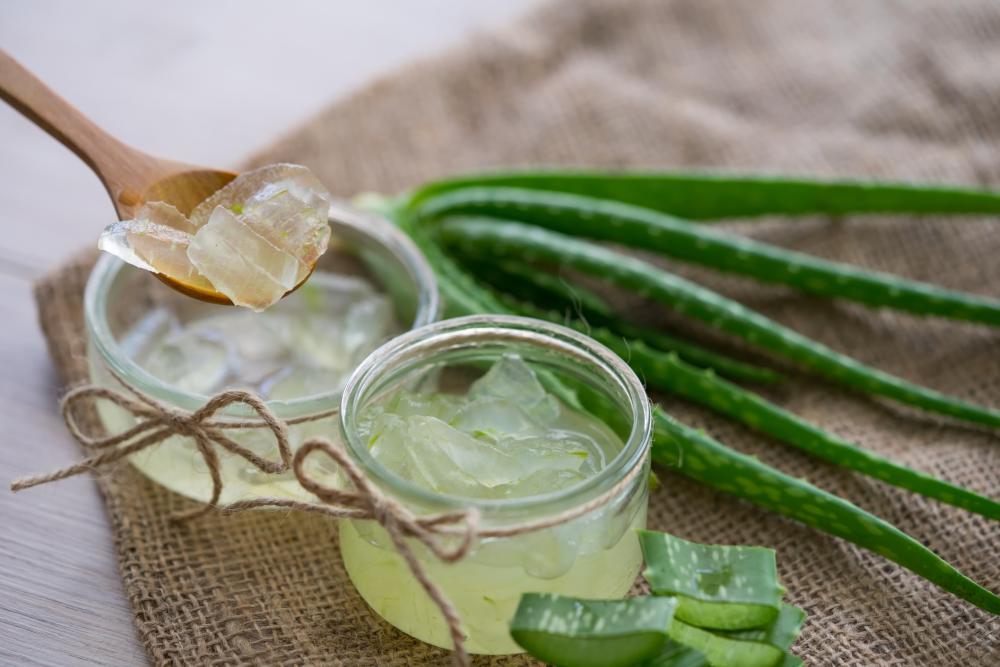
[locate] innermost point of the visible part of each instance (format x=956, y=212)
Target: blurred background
x=200, y=82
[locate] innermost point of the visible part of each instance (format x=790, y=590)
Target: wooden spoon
x=131, y=177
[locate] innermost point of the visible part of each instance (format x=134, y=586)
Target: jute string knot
x=155, y=422
x=449, y=536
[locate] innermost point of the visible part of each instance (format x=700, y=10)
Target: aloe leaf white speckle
x=722, y=587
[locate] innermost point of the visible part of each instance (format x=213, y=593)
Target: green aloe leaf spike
x=681, y=239
x=716, y=196
x=477, y=236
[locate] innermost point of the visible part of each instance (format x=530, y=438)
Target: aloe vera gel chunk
x=253, y=240
x=721, y=587
x=505, y=438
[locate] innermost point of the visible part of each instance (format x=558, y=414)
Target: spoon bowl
x=131, y=177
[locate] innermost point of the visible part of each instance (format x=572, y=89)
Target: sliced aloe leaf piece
x=677, y=655
x=781, y=632
x=722, y=651
x=570, y=632
x=720, y=587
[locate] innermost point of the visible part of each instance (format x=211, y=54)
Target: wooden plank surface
x=199, y=82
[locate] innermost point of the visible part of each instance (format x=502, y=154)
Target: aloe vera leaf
x=701, y=387
x=677, y=655
x=700, y=457
x=715, y=196
x=721, y=651
x=780, y=632
x=719, y=587
x=457, y=301
x=705, y=460
x=669, y=373
x=507, y=239
x=550, y=291
x=570, y=632
x=690, y=242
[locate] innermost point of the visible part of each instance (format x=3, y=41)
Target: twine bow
x=158, y=421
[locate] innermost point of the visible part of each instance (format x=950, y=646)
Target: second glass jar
x=180, y=351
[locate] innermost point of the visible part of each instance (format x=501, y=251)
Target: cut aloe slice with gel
x=741, y=647
x=722, y=651
x=718, y=587
x=781, y=632
x=569, y=632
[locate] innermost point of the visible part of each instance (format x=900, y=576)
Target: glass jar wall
x=596, y=555
x=370, y=285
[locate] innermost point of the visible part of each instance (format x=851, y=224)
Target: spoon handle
x=120, y=167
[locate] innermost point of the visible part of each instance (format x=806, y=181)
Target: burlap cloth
x=891, y=89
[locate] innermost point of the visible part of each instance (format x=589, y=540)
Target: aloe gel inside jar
x=370, y=285
x=506, y=437
x=521, y=420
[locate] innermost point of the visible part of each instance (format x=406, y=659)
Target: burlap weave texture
x=902, y=90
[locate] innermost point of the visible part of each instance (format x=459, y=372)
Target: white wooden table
x=201, y=82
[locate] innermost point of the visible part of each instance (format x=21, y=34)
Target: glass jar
x=124, y=305
x=596, y=555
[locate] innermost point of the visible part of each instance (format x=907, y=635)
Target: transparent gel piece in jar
x=286, y=352
x=506, y=437
x=444, y=459
x=511, y=379
x=190, y=361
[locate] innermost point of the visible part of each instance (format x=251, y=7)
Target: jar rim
x=373, y=228
x=499, y=327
